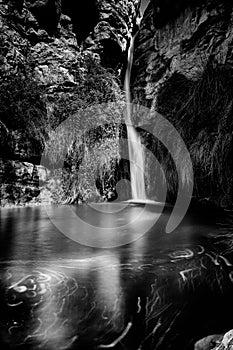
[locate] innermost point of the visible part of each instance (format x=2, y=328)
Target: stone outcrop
x=20, y=182
x=23, y=183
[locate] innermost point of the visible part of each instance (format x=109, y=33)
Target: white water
x=136, y=154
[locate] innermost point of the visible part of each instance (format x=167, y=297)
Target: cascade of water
x=136, y=155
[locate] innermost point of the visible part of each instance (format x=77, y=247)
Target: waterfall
x=136, y=154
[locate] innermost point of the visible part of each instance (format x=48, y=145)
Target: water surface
x=160, y=291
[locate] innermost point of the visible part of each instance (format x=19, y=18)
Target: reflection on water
x=104, y=225
x=158, y=292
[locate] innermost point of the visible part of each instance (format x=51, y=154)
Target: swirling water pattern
x=159, y=292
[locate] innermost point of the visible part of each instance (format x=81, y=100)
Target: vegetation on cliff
x=183, y=70
x=85, y=136
x=55, y=61
x=23, y=108
x=202, y=112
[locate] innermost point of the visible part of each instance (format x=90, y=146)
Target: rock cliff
x=180, y=37
x=104, y=27
x=51, y=50
x=182, y=69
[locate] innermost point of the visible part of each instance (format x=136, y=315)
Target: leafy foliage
x=23, y=107
x=84, y=131
x=86, y=146
x=95, y=85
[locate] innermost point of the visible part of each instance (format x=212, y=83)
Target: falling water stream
x=136, y=154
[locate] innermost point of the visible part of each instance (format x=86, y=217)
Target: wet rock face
x=177, y=38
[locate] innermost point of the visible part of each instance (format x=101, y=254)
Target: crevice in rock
x=84, y=16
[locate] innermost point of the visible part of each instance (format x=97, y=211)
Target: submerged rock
x=208, y=343
x=216, y=342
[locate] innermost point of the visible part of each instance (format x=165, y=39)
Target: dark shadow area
x=84, y=16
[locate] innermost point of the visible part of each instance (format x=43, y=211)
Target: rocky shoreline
x=21, y=182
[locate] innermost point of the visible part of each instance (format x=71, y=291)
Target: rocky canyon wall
x=53, y=60
x=180, y=40
x=182, y=69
